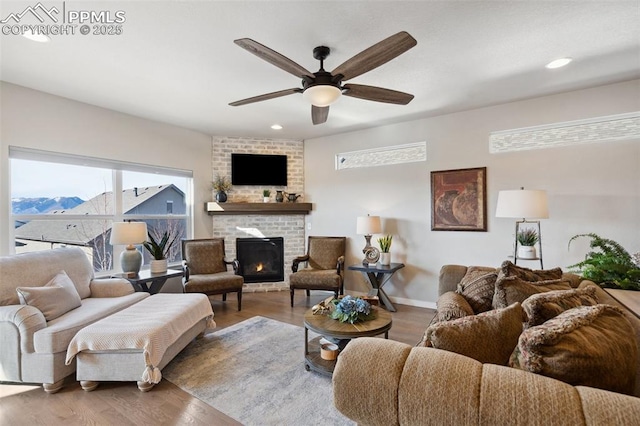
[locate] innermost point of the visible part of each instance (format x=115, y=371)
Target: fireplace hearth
x=261, y=259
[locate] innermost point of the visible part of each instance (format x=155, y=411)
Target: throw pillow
x=478, y=286
x=588, y=346
x=55, y=298
x=513, y=289
x=508, y=269
x=489, y=337
x=574, y=279
x=544, y=306
x=452, y=306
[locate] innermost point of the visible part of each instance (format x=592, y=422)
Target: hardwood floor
x=122, y=403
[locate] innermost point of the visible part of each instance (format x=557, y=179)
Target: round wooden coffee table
x=338, y=331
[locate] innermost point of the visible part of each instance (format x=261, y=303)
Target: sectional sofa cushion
x=508, y=269
x=55, y=337
x=55, y=298
x=34, y=269
x=489, y=337
x=589, y=346
x=514, y=289
x=477, y=286
x=544, y=306
x=452, y=306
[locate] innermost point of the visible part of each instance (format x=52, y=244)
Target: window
x=62, y=200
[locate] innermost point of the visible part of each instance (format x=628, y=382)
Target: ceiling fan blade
x=273, y=57
x=376, y=55
x=377, y=94
x=266, y=96
x=319, y=114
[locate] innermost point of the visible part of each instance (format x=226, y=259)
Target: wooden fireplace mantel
x=214, y=208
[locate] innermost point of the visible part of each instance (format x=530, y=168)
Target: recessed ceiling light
x=558, y=63
x=276, y=127
x=41, y=38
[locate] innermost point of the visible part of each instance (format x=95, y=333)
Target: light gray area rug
x=254, y=372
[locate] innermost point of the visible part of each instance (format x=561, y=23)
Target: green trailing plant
x=528, y=237
x=221, y=184
x=266, y=193
x=385, y=243
x=159, y=249
x=608, y=265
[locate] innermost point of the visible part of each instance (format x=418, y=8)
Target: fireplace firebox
x=261, y=259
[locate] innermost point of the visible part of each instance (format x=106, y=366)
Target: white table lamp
x=129, y=233
x=367, y=226
x=523, y=204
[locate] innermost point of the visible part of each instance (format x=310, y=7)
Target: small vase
x=385, y=259
x=279, y=197
x=527, y=252
x=158, y=266
x=221, y=196
x=265, y=199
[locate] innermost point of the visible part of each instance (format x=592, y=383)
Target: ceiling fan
x=322, y=88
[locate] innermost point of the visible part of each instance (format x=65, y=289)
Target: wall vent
x=397, y=154
x=592, y=130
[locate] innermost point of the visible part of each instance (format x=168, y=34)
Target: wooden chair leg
x=224, y=297
x=308, y=293
x=239, y=300
x=292, y=298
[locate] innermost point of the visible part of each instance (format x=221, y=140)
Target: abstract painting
x=459, y=200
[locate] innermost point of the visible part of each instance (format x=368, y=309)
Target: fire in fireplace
x=261, y=259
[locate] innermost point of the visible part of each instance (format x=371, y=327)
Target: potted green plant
x=385, y=246
x=159, y=249
x=221, y=185
x=266, y=193
x=527, y=240
x=611, y=266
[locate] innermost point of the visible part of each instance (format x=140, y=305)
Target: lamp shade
x=368, y=225
x=322, y=95
x=523, y=203
x=125, y=233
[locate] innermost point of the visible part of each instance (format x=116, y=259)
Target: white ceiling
x=176, y=61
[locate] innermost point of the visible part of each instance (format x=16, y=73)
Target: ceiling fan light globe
x=322, y=95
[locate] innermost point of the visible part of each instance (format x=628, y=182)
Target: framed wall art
x=459, y=200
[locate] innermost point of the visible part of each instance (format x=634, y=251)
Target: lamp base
x=367, y=245
x=131, y=260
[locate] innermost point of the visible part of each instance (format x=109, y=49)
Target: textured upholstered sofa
x=382, y=382
x=60, y=296
x=568, y=344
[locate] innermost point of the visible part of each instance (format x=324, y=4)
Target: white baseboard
x=403, y=301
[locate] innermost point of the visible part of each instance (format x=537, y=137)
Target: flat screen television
x=258, y=169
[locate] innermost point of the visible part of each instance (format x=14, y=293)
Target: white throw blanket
x=151, y=325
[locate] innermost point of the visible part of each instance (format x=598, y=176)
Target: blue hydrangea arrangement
x=352, y=309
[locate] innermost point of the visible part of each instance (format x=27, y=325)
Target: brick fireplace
x=290, y=226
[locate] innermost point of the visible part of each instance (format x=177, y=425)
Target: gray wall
x=38, y=120
x=591, y=188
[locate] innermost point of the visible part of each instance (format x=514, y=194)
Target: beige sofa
x=32, y=349
x=451, y=275
x=382, y=382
